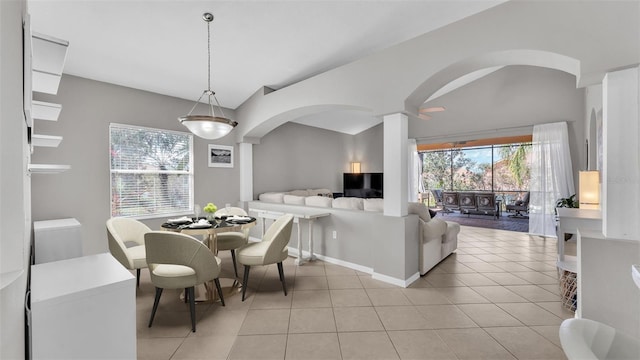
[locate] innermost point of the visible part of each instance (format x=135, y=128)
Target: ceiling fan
x=423, y=113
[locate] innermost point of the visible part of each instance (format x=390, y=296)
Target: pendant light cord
x=208, y=55
x=207, y=17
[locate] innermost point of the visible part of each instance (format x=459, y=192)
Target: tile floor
x=496, y=297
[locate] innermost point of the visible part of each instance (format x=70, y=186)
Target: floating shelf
x=41, y=110
x=49, y=55
x=45, y=140
x=48, y=168
x=570, y=263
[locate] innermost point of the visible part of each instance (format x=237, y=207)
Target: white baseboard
x=380, y=277
x=395, y=281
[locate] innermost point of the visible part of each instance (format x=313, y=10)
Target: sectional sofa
x=358, y=235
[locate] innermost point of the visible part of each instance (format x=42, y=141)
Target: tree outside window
x=151, y=171
x=503, y=169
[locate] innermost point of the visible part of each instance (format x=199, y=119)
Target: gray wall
x=83, y=192
x=295, y=156
x=369, y=149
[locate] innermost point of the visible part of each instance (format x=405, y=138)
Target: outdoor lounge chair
x=521, y=207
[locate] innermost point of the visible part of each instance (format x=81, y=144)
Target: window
x=502, y=169
x=151, y=171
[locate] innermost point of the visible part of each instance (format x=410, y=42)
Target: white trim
x=395, y=281
x=380, y=277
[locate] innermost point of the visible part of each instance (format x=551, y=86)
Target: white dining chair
x=271, y=250
x=232, y=240
x=126, y=243
x=180, y=261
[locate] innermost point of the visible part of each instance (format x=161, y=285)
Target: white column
x=395, y=164
x=245, y=151
x=621, y=160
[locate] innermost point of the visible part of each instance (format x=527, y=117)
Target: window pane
x=151, y=171
x=511, y=169
x=503, y=169
x=436, y=170
x=472, y=169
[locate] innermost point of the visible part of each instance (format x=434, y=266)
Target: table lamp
x=589, y=190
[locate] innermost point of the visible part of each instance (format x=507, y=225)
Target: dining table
x=208, y=230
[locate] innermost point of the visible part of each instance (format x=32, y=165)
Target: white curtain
x=551, y=176
x=414, y=167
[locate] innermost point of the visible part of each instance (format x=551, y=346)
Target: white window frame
x=190, y=172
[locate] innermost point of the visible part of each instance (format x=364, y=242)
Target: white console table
x=569, y=220
x=308, y=215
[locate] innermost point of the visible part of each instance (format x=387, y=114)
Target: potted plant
x=210, y=209
x=569, y=202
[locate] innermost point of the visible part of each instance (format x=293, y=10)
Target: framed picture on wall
x=220, y=156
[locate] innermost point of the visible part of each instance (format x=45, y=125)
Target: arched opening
x=308, y=115
x=525, y=98
x=484, y=61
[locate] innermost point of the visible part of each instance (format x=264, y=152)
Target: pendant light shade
x=208, y=126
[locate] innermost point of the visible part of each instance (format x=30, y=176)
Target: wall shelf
x=48, y=168
x=45, y=111
x=45, y=140
x=49, y=55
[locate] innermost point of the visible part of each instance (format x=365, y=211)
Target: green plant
x=569, y=202
x=210, y=208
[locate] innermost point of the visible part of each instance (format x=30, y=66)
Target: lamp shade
x=355, y=167
x=208, y=127
x=589, y=190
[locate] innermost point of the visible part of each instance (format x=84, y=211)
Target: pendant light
x=208, y=126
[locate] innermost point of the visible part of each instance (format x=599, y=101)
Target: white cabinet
x=83, y=308
x=55, y=240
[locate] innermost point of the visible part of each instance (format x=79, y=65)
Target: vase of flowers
x=210, y=209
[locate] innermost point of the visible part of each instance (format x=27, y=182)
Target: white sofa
x=439, y=237
x=366, y=226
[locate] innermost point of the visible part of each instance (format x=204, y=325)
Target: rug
x=487, y=221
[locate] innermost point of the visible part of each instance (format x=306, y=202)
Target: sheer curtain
x=551, y=176
x=414, y=167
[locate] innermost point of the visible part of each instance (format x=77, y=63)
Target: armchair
x=519, y=207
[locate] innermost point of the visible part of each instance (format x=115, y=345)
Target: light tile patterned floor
x=497, y=297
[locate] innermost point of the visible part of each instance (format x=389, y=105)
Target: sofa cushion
x=271, y=197
x=320, y=192
x=419, y=209
x=351, y=203
x=299, y=193
x=293, y=199
x=320, y=201
x=373, y=205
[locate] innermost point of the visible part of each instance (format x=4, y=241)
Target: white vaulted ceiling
x=160, y=46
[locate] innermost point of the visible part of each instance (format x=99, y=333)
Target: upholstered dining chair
x=180, y=261
x=271, y=250
x=126, y=243
x=232, y=240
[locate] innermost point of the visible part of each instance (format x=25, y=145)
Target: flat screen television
x=363, y=185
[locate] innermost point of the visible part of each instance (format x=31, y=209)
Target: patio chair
x=521, y=207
